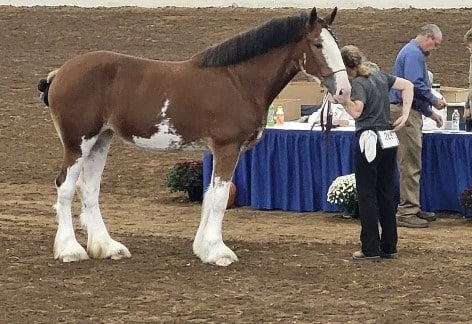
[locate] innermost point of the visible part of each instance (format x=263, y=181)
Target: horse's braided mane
x=257, y=41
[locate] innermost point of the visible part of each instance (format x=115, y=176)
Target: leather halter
x=326, y=105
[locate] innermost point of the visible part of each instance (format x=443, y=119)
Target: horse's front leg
x=208, y=244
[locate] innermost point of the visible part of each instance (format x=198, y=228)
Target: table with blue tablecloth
x=292, y=168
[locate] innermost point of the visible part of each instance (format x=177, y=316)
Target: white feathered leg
x=208, y=244
x=66, y=247
x=99, y=243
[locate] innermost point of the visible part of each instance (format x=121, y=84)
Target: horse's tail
x=44, y=84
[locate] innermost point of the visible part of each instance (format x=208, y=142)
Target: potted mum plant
x=342, y=192
x=466, y=201
x=187, y=176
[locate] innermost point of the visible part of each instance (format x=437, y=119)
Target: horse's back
x=99, y=71
x=140, y=98
x=98, y=88
x=95, y=72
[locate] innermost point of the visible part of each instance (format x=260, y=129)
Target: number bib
x=388, y=139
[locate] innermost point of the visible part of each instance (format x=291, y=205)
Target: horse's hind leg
x=66, y=247
x=99, y=243
x=208, y=244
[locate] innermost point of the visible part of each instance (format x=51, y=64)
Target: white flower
x=343, y=190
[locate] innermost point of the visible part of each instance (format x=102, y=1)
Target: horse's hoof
x=71, y=251
x=122, y=254
x=225, y=261
x=108, y=249
x=216, y=253
x=73, y=258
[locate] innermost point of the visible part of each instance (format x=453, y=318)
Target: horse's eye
x=319, y=45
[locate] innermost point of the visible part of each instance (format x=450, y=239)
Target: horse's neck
x=269, y=73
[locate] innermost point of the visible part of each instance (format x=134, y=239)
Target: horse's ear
x=313, y=16
x=331, y=17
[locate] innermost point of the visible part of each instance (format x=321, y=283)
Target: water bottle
x=280, y=115
x=455, y=120
x=270, y=116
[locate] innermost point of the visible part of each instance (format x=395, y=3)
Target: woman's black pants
x=375, y=191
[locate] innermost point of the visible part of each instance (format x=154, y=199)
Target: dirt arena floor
x=293, y=268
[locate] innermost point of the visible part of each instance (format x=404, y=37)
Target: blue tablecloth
x=292, y=170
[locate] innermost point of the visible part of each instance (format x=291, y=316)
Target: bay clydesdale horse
x=218, y=98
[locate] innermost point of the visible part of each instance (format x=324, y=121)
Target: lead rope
x=325, y=112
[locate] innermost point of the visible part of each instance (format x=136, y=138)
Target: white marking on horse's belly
x=165, y=138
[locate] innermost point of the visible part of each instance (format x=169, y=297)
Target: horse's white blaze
x=331, y=51
x=333, y=57
x=208, y=243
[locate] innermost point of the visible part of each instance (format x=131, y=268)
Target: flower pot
x=351, y=211
x=187, y=177
x=467, y=213
x=195, y=193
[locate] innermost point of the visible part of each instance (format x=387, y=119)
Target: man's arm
x=414, y=72
x=406, y=89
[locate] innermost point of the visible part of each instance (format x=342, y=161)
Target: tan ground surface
x=294, y=268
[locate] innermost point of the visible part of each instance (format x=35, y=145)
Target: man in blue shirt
x=410, y=64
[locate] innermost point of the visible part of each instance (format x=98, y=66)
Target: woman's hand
x=342, y=98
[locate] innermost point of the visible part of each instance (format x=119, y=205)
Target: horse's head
x=321, y=57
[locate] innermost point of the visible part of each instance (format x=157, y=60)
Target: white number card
x=388, y=139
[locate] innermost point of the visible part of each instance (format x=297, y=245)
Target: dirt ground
x=293, y=268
